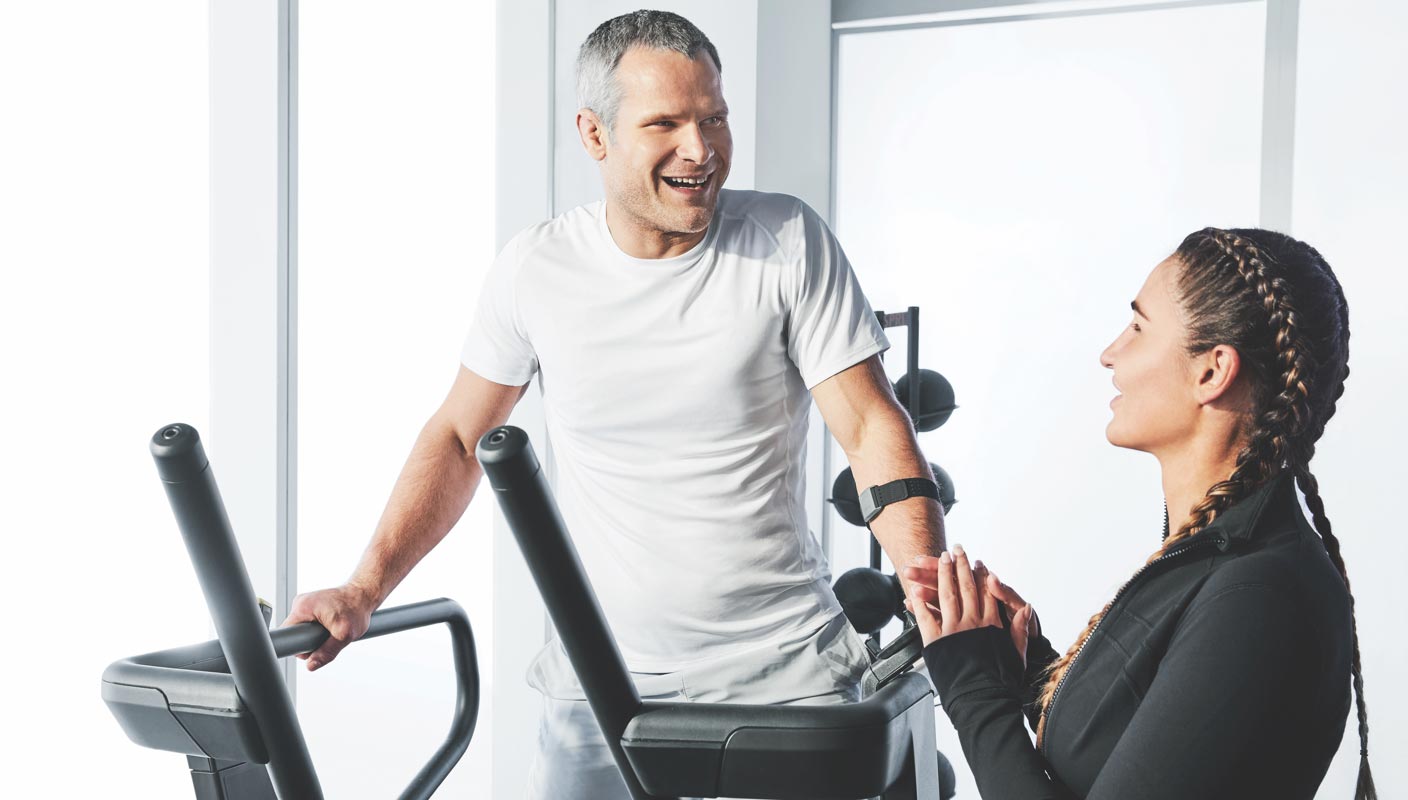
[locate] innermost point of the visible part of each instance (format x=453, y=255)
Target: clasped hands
x=947, y=595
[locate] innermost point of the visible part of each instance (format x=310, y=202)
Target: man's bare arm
x=860, y=408
x=431, y=494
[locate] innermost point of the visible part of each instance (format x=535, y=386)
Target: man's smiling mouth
x=693, y=183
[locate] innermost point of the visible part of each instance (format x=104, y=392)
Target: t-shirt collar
x=658, y=266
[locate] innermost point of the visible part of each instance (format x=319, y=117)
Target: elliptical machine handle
x=249, y=646
x=308, y=636
x=196, y=678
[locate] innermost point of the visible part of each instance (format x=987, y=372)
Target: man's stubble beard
x=639, y=205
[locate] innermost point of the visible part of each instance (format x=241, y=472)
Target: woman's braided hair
x=1276, y=301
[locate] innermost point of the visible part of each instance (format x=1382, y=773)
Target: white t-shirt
x=676, y=398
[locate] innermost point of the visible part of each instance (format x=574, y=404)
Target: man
x=676, y=329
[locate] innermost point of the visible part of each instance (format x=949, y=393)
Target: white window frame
x=253, y=285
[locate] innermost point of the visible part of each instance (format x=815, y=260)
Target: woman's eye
x=1135, y=326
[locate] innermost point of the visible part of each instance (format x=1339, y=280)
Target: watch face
x=870, y=506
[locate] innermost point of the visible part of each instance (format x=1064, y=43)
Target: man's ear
x=593, y=133
x=1216, y=372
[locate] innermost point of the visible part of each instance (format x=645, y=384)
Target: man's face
x=669, y=149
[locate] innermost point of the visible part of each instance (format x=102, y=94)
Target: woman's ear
x=1216, y=373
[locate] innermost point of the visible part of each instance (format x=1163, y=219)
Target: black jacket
x=1220, y=670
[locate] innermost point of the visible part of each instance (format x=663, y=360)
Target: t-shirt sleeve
x=497, y=347
x=830, y=325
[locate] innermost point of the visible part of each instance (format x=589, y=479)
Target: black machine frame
x=224, y=702
x=882, y=746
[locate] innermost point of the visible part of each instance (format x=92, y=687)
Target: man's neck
x=639, y=241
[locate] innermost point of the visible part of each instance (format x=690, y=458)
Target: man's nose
x=692, y=146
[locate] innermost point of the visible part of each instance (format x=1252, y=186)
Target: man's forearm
x=888, y=451
x=432, y=492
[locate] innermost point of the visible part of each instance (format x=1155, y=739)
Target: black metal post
x=205, y=527
x=518, y=483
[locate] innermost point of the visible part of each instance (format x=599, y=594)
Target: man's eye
x=665, y=123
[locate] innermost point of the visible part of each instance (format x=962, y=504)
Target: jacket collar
x=1241, y=521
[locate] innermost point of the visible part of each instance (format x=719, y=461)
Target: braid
x=1310, y=487
x=1282, y=435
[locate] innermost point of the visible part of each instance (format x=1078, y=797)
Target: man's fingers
x=925, y=575
x=926, y=593
x=930, y=628
x=325, y=653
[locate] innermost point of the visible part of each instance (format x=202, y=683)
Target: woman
x=1221, y=669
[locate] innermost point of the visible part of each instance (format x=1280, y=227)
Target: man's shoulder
x=779, y=216
x=574, y=223
x=763, y=207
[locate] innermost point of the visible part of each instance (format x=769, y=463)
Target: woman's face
x=1155, y=408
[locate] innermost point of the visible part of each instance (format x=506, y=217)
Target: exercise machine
x=882, y=746
x=223, y=703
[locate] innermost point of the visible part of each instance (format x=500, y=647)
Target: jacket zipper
x=1191, y=545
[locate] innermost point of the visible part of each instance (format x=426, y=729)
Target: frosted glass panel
x=396, y=175
x=1017, y=181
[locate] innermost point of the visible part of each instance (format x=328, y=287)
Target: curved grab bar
x=154, y=669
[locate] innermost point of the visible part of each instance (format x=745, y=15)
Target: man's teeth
x=687, y=181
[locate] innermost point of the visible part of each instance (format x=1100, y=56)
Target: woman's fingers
x=1021, y=631
x=950, y=605
x=968, y=590
x=990, y=614
x=1013, y=601
x=1005, y=593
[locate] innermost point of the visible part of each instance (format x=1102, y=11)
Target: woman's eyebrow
x=1134, y=304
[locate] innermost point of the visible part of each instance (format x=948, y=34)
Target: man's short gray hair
x=597, y=87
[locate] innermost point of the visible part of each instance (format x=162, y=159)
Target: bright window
x=104, y=320
x=395, y=231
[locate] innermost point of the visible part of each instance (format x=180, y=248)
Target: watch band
x=874, y=499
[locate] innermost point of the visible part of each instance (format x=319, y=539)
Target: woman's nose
x=1107, y=355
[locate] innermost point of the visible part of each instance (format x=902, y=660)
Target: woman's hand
x=947, y=595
